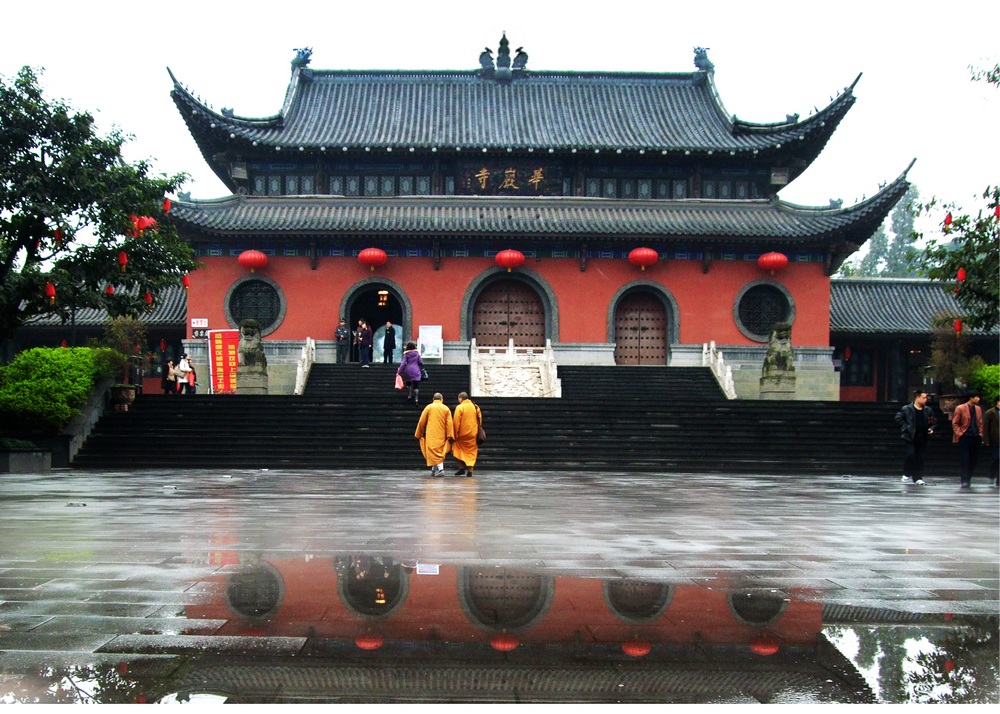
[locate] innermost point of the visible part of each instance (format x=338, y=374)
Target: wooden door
x=508, y=309
x=640, y=330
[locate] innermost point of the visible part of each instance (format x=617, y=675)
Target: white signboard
x=429, y=343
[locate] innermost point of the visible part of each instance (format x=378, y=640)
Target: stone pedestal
x=778, y=386
x=251, y=379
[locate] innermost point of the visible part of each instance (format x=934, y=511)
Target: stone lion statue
x=251, y=351
x=780, y=358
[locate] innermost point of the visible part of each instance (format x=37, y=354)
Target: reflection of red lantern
x=510, y=259
x=504, y=642
x=958, y=326
x=148, y=297
x=763, y=646
x=123, y=260
x=372, y=257
x=186, y=281
x=50, y=293
x=643, y=257
x=636, y=648
x=252, y=259
x=110, y=290
x=772, y=262
x=369, y=641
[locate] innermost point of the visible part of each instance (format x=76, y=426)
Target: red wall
x=705, y=301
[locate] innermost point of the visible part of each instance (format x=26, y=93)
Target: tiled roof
x=554, y=217
x=169, y=310
x=890, y=305
x=542, y=110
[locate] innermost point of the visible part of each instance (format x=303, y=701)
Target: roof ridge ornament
x=701, y=60
x=503, y=68
x=303, y=55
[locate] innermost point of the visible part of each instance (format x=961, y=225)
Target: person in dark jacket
x=365, y=341
x=388, y=343
x=410, y=369
x=916, y=423
x=991, y=437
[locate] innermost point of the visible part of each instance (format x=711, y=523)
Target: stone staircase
x=660, y=419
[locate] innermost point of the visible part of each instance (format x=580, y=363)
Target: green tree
x=890, y=255
x=970, y=243
x=67, y=197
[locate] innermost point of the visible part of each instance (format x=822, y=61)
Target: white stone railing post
x=712, y=357
x=304, y=365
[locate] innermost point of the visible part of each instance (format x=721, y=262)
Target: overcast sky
x=915, y=98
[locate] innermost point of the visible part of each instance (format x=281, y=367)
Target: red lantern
x=372, y=257
x=949, y=665
x=947, y=222
x=123, y=260
x=252, y=259
x=166, y=205
x=958, y=326
x=369, y=641
x=148, y=297
x=961, y=275
x=996, y=212
x=772, y=262
x=110, y=290
x=163, y=345
x=510, y=259
x=643, y=257
x=504, y=642
x=64, y=344
x=636, y=648
x=59, y=237
x=764, y=646
x=186, y=281
x=50, y=293
x=847, y=354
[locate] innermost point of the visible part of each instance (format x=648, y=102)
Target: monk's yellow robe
x=435, y=431
x=466, y=421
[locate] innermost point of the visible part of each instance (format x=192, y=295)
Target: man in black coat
x=389, y=344
x=915, y=424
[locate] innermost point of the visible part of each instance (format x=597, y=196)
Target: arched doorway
x=377, y=303
x=508, y=309
x=640, y=329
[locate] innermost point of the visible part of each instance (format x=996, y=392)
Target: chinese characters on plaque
x=509, y=179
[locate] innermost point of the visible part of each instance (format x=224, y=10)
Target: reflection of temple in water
x=375, y=629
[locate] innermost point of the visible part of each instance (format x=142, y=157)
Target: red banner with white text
x=223, y=359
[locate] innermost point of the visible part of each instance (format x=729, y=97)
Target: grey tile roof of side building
x=169, y=310
x=557, y=218
x=891, y=306
x=670, y=112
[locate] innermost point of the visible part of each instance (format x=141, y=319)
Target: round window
x=759, y=307
x=255, y=299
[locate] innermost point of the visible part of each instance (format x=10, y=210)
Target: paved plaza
x=90, y=558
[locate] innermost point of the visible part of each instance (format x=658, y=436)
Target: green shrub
x=986, y=379
x=43, y=388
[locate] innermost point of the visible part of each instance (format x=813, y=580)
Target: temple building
x=614, y=218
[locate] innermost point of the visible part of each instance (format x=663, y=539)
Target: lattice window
x=760, y=307
x=255, y=300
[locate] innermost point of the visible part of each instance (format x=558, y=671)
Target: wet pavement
x=268, y=586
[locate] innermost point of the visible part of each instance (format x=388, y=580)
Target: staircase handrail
x=304, y=365
x=712, y=357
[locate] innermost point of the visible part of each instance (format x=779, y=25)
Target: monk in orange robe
x=467, y=420
x=436, y=433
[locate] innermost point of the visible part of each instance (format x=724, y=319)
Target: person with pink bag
x=410, y=371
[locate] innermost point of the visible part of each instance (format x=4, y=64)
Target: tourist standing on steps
x=388, y=343
x=168, y=380
x=991, y=437
x=183, y=368
x=967, y=432
x=916, y=424
x=343, y=337
x=366, y=341
x=410, y=369
x=436, y=433
x=467, y=419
